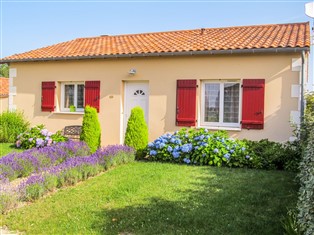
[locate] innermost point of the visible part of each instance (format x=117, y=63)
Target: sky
x=27, y=25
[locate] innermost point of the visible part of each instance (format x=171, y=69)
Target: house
x=246, y=80
x=4, y=94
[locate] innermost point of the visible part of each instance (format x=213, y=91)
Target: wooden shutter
x=92, y=94
x=186, y=103
x=253, y=103
x=48, y=96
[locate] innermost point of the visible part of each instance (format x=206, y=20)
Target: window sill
x=71, y=113
x=225, y=128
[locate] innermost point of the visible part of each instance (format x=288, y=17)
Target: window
x=72, y=94
x=220, y=105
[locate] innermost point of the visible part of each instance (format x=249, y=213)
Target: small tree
x=91, y=131
x=136, y=134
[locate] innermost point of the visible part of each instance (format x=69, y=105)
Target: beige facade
x=161, y=74
x=4, y=104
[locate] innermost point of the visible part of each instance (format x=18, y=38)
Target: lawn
x=157, y=198
x=6, y=148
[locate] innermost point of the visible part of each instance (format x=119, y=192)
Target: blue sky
x=27, y=25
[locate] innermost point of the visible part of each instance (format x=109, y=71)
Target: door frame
x=123, y=106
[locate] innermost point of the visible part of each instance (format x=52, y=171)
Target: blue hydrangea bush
x=38, y=136
x=200, y=147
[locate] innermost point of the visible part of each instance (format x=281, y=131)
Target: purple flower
x=18, y=143
x=30, y=139
x=216, y=150
x=247, y=157
x=44, y=132
x=39, y=142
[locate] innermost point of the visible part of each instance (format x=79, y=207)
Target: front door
x=136, y=94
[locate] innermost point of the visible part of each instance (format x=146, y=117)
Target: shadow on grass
x=248, y=202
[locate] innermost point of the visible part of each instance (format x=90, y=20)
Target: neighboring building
x=4, y=94
x=242, y=79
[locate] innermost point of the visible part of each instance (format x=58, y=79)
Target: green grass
x=6, y=148
x=156, y=198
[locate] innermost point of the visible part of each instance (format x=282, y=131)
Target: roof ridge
x=196, y=29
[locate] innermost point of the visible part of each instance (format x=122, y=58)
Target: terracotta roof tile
x=4, y=87
x=245, y=37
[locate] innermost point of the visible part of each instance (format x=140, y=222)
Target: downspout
x=302, y=88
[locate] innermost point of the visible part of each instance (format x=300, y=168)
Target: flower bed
x=16, y=165
x=65, y=170
x=200, y=147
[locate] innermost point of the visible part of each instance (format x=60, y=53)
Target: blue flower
x=186, y=160
x=169, y=149
x=186, y=148
x=172, y=140
x=206, y=130
x=175, y=154
x=177, y=148
x=227, y=156
x=201, y=137
x=152, y=152
x=216, y=150
x=162, y=145
x=196, y=147
x=204, y=154
x=197, y=138
x=231, y=151
x=186, y=136
x=247, y=157
x=178, y=141
x=150, y=144
x=242, y=148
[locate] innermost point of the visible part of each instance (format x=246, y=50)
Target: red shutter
x=92, y=94
x=48, y=96
x=186, y=103
x=253, y=103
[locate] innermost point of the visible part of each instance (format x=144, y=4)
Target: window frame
x=220, y=123
x=63, y=84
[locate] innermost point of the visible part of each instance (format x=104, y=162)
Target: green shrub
x=290, y=224
x=136, y=135
x=12, y=123
x=38, y=136
x=272, y=155
x=306, y=192
x=200, y=147
x=91, y=132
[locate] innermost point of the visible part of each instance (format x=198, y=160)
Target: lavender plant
x=31, y=161
x=69, y=172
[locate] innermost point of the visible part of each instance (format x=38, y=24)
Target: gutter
x=302, y=88
x=168, y=54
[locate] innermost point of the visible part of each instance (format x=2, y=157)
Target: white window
x=220, y=103
x=72, y=94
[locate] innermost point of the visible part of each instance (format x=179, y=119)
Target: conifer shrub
x=136, y=135
x=91, y=131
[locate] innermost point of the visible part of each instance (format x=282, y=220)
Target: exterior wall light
x=132, y=71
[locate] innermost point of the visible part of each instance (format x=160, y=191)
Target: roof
x=4, y=87
x=280, y=36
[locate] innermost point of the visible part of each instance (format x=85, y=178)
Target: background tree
x=4, y=70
